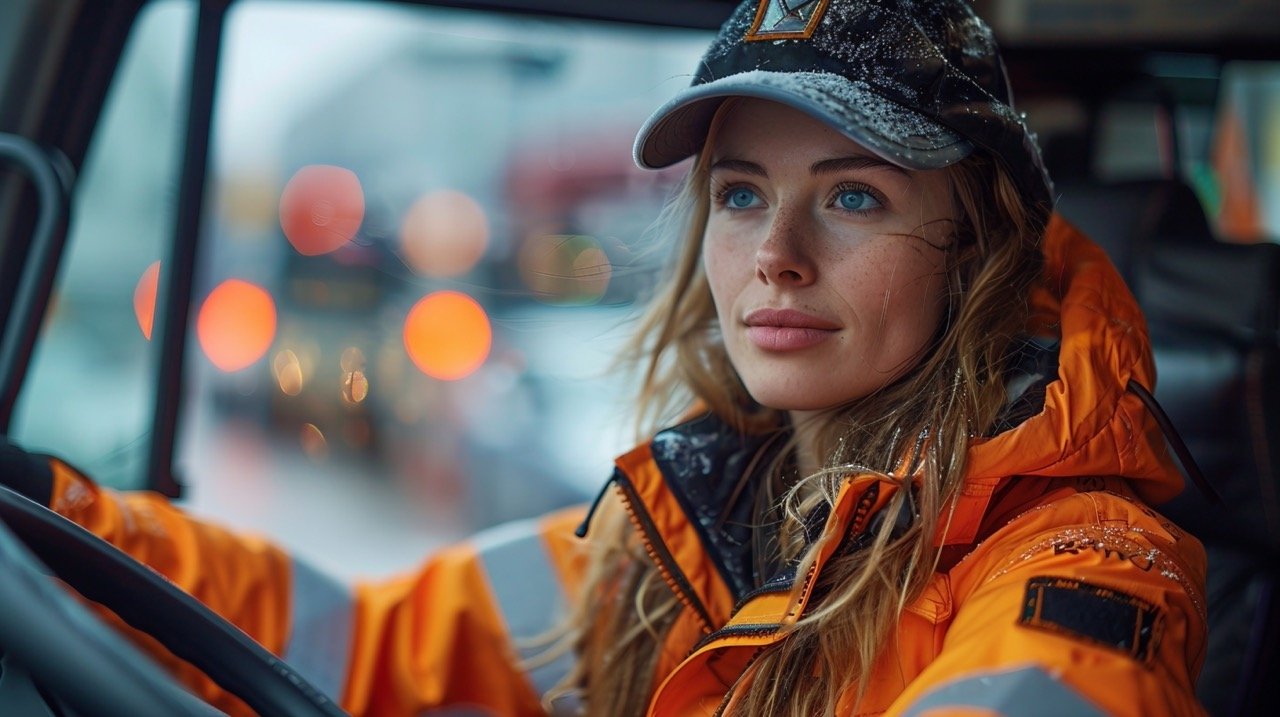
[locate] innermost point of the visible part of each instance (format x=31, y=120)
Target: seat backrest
x=1212, y=311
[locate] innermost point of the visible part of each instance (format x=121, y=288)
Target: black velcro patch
x=1098, y=615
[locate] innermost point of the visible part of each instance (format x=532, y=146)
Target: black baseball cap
x=918, y=82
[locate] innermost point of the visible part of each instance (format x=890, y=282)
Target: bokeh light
x=321, y=208
x=355, y=387
x=444, y=234
x=355, y=384
x=288, y=371
x=313, y=442
x=565, y=269
x=144, y=298
x=236, y=324
x=447, y=335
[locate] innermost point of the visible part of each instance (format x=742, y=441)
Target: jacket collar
x=688, y=486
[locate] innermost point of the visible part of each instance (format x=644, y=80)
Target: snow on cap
x=918, y=82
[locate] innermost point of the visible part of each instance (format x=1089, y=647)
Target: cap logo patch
x=786, y=19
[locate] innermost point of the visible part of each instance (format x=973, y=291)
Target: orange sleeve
x=246, y=580
x=474, y=626
x=1103, y=613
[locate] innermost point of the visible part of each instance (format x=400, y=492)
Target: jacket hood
x=1091, y=423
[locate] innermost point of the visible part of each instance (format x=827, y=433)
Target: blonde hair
x=955, y=392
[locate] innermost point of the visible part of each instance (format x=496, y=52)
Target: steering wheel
x=85, y=663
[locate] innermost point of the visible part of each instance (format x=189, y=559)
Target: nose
x=785, y=256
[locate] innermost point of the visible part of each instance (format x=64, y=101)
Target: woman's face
x=826, y=263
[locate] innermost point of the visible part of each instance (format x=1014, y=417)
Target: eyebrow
x=824, y=166
x=845, y=164
x=740, y=165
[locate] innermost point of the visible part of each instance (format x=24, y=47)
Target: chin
x=817, y=398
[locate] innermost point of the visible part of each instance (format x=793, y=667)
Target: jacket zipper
x=855, y=538
x=727, y=631
x=658, y=552
x=769, y=588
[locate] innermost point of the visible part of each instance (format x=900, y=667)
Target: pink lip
x=787, y=329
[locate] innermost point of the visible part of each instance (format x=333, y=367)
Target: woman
x=912, y=470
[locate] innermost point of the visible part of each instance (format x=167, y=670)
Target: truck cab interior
x=1159, y=120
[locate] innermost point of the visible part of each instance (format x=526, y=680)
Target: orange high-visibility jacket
x=1060, y=591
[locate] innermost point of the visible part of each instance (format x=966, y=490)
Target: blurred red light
x=144, y=298
x=321, y=208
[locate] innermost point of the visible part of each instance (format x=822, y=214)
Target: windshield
x=423, y=238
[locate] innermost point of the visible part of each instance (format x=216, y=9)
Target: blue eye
x=740, y=198
x=857, y=200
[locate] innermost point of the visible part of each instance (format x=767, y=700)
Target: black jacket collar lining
x=703, y=462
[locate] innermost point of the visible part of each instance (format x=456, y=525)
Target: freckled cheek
x=727, y=268
x=897, y=296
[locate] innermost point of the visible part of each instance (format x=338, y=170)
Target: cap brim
x=897, y=134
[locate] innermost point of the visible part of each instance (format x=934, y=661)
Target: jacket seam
x=1007, y=561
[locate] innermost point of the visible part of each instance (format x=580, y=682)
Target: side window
x=1223, y=117
x=88, y=395
x=1243, y=189
x=424, y=238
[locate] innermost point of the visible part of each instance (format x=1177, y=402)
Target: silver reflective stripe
x=320, y=634
x=1029, y=691
x=528, y=593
